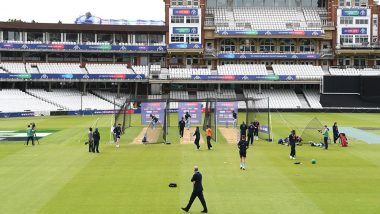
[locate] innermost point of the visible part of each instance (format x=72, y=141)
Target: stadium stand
x=185, y=73
x=242, y=69
x=53, y=68
x=354, y=71
x=18, y=101
x=111, y=97
x=141, y=69
x=302, y=72
x=313, y=97
x=71, y=99
x=285, y=98
x=266, y=18
x=108, y=69
x=224, y=94
x=12, y=67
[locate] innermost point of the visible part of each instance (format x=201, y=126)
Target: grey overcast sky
x=49, y=11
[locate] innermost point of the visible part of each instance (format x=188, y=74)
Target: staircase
x=301, y=19
x=46, y=100
x=303, y=101
x=231, y=18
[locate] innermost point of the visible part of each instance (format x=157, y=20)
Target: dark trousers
x=201, y=198
x=181, y=131
x=326, y=141
x=196, y=142
x=90, y=146
x=96, y=146
x=209, y=142
x=336, y=136
x=293, y=150
x=30, y=138
x=250, y=138
x=256, y=132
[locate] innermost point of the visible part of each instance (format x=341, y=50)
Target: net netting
x=210, y=118
x=312, y=133
x=258, y=110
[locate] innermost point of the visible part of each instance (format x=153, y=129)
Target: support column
x=219, y=88
x=136, y=88
x=118, y=90
x=49, y=89
x=84, y=87
x=260, y=89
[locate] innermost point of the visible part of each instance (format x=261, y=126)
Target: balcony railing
x=375, y=45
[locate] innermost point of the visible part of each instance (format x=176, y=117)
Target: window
x=227, y=45
x=361, y=39
x=307, y=45
x=105, y=38
x=121, y=38
x=191, y=19
x=54, y=37
x=178, y=19
x=12, y=36
x=179, y=2
x=177, y=38
x=287, y=45
x=141, y=38
x=193, y=38
x=155, y=39
x=346, y=20
x=196, y=2
x=88, y=37
x=341, y=3
x=267, y=45
x=35, y=37
x=364, y=3
x=71, y=37
x=346, y=39
x=356, y=3
x=361, y=21
x=247, y=45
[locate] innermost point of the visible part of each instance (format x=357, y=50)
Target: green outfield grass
x=60, y=176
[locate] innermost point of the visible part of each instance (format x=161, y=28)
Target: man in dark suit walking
x=181, y=125
x=197, y=191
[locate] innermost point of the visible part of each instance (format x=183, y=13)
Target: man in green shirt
x=29, y=134
x=326, y=137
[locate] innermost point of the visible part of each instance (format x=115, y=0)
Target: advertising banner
x=269, y=56
x=184, y=46
x=185, y=12
x=354, y=30
x=245, y=77
x=71, y=76
x=185, y=30
x=270, y=32
x=354, y=12
x=161, y=48
x=155, y=108
x=194, y=109
x=224, y=112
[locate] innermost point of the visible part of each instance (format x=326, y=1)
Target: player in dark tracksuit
x=197, y=191
x=117, y=132
x=243, y=130
x=234, y=116
x=335, y=132
x=292, y=143
x=181, y=125
x=96, y=136
x=256, y=124
x=197, y=135
x=243, y=146
x=251, y=130
x=188, y=120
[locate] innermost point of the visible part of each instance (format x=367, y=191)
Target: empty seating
x=54, y=68
x=313, y=97
x=185, y=73
x=224, y=94
x=302, y=72
x=12, y=67
x=108, y=69
x=112, y=97
x=18, y=101
x=284, y=98
x=141, y=69
x=354, y=71
x=243, y=69
x=74, y=100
